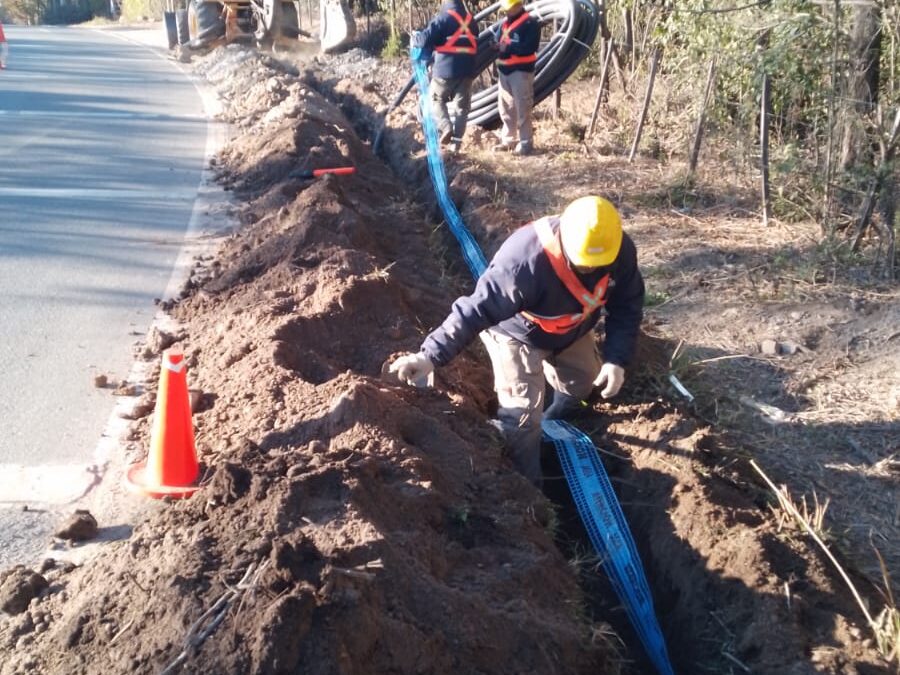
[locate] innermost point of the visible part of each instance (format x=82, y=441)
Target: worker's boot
x=562, y=406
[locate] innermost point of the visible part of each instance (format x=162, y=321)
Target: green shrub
x=394, y=46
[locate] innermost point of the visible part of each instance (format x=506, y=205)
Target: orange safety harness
x=506, y=31
x=590, y=301
x=462, y=33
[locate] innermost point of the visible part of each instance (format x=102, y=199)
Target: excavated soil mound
x=347, y=524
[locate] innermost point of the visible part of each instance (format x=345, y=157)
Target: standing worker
x=534, y=308
x=4, y=48
x=453, y=36
x=517, y=40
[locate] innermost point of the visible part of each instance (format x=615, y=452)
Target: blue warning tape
x=593, y=494
x=470, y=249
x=605, y=523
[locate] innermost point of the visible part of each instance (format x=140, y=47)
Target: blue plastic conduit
x=593, y=494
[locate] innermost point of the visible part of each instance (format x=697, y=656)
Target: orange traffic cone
x=171, y=467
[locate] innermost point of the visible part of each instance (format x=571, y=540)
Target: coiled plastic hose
x=578, y=24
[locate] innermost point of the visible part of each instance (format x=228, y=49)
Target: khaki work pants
x=519, y=373
x=457, y=91
x=515, y=104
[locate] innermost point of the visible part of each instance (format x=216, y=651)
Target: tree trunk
x=628, y=44
x=862, y=84
x=701, y=117
x=764, y=115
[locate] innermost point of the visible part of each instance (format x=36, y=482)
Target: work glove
x=612, y=376
x=413, y=369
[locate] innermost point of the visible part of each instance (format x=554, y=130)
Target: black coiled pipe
x=578, y=24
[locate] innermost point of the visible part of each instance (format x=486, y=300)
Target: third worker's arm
x=625, y=308
x=436, y=32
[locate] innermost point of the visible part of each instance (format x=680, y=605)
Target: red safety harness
x=506, y=31
x=462, y=33
x=590, y=301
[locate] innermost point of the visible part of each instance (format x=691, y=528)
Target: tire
x=171, y=30
x=181, y=26
x=205, y=20
x=267, y=21
x=290, y=20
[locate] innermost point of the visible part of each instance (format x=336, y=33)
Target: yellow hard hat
x=591, y=232
x=507, y=5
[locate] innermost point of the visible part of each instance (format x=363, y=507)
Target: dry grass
x=886, y=625
x=804, y=518
x=611, y=646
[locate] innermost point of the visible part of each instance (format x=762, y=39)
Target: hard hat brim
x=607, y=257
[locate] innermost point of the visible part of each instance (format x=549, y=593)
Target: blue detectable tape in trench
x=590, y=487
x=470, y=249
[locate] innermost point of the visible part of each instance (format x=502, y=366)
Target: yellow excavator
x=208, y=23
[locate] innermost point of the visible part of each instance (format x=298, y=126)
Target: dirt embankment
x=351, y=525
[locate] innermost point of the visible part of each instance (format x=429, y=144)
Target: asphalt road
x=102, y=144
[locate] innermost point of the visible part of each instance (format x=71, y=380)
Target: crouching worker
x=535, y=308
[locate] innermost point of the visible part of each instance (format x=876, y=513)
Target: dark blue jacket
x=520, y=277
x=449, y=66
x=524, y=40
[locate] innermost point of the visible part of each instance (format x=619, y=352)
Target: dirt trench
x=357, y=526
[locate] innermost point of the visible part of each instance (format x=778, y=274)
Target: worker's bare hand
x=413, y=369
x=612, y=376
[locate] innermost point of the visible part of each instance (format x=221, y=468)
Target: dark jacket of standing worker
x=518, y=41
x=453, y=36
x=520, y=277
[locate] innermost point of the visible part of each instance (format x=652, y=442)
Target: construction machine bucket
x=336, y=25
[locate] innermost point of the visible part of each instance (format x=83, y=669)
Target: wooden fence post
x=654, y=63
x=701, y=118
x=764, y=114
x=604, y=75
x=887, y=149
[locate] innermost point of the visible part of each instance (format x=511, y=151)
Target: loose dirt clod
x=18, y=587
x=80, y=526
